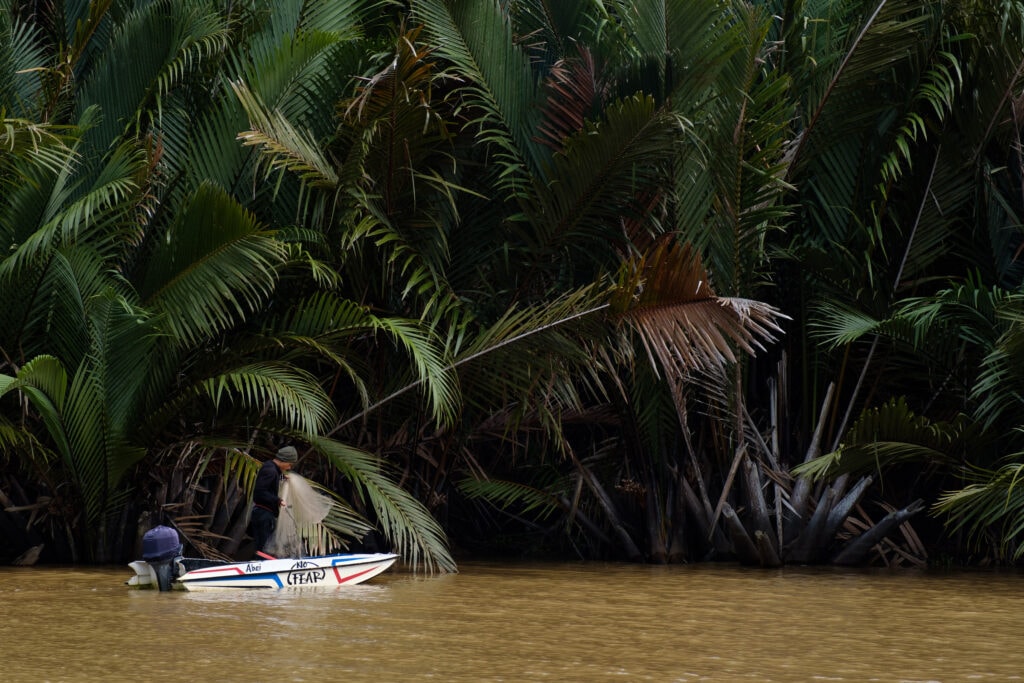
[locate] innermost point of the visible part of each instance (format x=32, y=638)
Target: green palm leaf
x=837, y=325
x=502, y=91
x=869, y=53
x=414, y=533
x=740, y=166
x=504, y=494
x=431, y=366
x=842, y=125
x=554, y=28
x=676, y=48
x=101, y=411
x=215, y=267
x=34, y=145
x=22, y=63
x=891, y=434
x=998, y=67
x=44, y=382
x=556, y=334
x=284, y=148
x=149, y=51
x=995, y=501
x=998, y=385
x=599, y=177
x=204, y=146
x=292, y=395
x=345, y=19
x=57, y=308
x=75, y=205
x=325, y=321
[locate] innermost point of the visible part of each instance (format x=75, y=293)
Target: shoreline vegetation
x=665, y=281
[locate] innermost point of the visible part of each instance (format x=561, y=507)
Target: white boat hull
x=329, y=571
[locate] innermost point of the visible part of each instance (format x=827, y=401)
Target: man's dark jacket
x=267, y=482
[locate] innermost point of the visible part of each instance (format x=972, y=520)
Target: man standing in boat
x=266, y=504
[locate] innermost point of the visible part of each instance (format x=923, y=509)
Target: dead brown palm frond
x=666, y=298
x=572, y=91
x=405, y=81
x=193, y=528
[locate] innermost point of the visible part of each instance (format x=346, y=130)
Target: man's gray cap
x=287, y=454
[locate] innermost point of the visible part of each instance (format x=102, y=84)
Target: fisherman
x=266, y=504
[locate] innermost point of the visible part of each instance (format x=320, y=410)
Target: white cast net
x=299, y=531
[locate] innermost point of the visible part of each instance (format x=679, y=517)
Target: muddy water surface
x=492, y=622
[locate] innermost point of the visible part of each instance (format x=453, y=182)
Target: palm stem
x=467, y=359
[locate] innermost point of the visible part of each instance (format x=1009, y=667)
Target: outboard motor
x=160, y=547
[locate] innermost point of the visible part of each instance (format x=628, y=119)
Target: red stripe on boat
x=217, y=569
x=337, y=574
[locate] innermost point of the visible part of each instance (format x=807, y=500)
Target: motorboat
x=163, y=566
x=328, y=571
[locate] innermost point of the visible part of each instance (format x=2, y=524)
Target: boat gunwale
x=260, y=571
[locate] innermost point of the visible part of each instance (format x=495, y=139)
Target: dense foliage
x=659, y=280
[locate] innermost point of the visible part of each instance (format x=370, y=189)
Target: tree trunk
x=741, y=453
x=755, y=498
x=742, y=545
x=802, y=489
x=657, y=526
x=841, y=510
x=628, y=545
x=856, y=551
x=576, y=516
x=677, y=510
x=766, y=550
x=226, y=507
x=719, y=542
x=237, y=531
x=810, y=546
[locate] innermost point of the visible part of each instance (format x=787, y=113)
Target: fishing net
x=299, y=531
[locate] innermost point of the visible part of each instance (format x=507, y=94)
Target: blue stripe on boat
x=240, y=577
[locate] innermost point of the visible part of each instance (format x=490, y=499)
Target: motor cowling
x=160, y=547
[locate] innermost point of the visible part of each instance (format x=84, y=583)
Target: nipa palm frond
x=293, y=396
x=283, y=146
x=666, y=299
x=996, y=501
x=409, y=526
x=45, y=382
x=502, y=90
x=149, y=52
x=215, y=267
x=503, y=494
x=76, y=204
x=891, y=434
x=22, y=61
x=601, y=178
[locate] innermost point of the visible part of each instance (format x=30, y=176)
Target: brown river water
x=522, y=622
